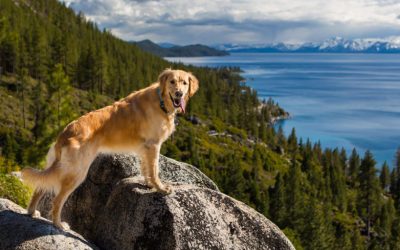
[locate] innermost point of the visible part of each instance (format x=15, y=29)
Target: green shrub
x=12, y=188
x=293, y=237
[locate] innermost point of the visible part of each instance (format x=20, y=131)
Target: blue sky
x=253, y=21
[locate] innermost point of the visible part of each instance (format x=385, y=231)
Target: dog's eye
x=184, y=83
x=172, y=81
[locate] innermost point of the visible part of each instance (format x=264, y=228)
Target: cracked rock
x=114, y=210
x=20, y=231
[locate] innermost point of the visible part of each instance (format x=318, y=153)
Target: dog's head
x=177, y=87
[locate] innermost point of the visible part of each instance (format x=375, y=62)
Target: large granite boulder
x=20, y=231
x=114, y=210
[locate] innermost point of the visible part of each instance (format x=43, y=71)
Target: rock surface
x=20, y=231
x=115, y=211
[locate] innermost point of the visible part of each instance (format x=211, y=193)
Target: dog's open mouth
x=178, y=102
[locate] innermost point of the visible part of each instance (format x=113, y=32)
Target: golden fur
x=134, y=124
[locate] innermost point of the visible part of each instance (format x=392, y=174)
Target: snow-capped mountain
x=333, y=45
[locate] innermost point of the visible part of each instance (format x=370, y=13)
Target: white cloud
x=256, y=21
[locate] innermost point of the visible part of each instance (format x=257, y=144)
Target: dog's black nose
x=178, y=94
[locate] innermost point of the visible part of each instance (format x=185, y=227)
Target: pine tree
x=295, y=197
x=60, y=91
x=395, y=232
x=317, y=151
x=292, y=142
x=39, y=110
x=3, y=25
x=59, y=48
x=384, y=223
x=235, y=183
x=281, y=140
x=357, y=241
x=317, y=232
x=384, y=177
x=10, y=147
x=263, y=131
x=337, y=177
x=343, y=160
x=396, y=184
x=9, y=52
x=101, y=72
x=39, y=55
x=23, y=79
x=327, y=175
x=354, y=167
x=393, y=183
x=278, y=209
x=369, y=192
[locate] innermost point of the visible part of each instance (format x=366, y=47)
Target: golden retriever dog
x=138, y=124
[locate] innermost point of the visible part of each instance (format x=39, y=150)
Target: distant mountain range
x=333, y=45
x=171, y=50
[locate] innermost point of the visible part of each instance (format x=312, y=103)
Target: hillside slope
x=63, y=66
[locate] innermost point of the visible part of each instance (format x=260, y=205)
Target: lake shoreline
x=340, y=100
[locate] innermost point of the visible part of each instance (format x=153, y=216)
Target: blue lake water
x=342, y=100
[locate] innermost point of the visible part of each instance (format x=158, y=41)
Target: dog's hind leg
x=76, y=167
x=67, y=188
x=36, y=197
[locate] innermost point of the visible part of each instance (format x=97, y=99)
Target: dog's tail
x=46, y=179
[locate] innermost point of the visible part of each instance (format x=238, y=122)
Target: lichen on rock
x=115, y=210
x=20, y=231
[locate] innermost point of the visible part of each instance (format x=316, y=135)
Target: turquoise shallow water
x=342, y=100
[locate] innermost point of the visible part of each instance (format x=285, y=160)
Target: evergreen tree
x=337, y=177
x=39, y=54
x=23, y=78
x=317, y=151
x=327, y=175
x=10, y=147
x=294, y=196
x=3, y=24
x=292, y=142
x=369, y=192
x=384, y=177
x=38, y=129
x=235, y=182
x=60, y=92
x=318, y=232
x=384, y=223
x=343, y=160
x=357, y=240
x=8, y=52
x=393, y=181
x=281, y=140
x=278, y=208
x=354, y=167
x=395, y=232
x=396, y=182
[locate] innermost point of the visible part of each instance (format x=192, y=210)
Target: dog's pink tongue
x=183, y=104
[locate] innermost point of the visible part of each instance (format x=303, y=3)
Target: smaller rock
x=194, y=120
x=20, y=231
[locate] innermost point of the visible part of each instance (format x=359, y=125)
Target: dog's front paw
x=165, y=189
x=62, y=225
x=149, y=184
x=34, y=214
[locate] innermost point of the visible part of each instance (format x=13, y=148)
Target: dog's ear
x=193, y=84
x=162, y=78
